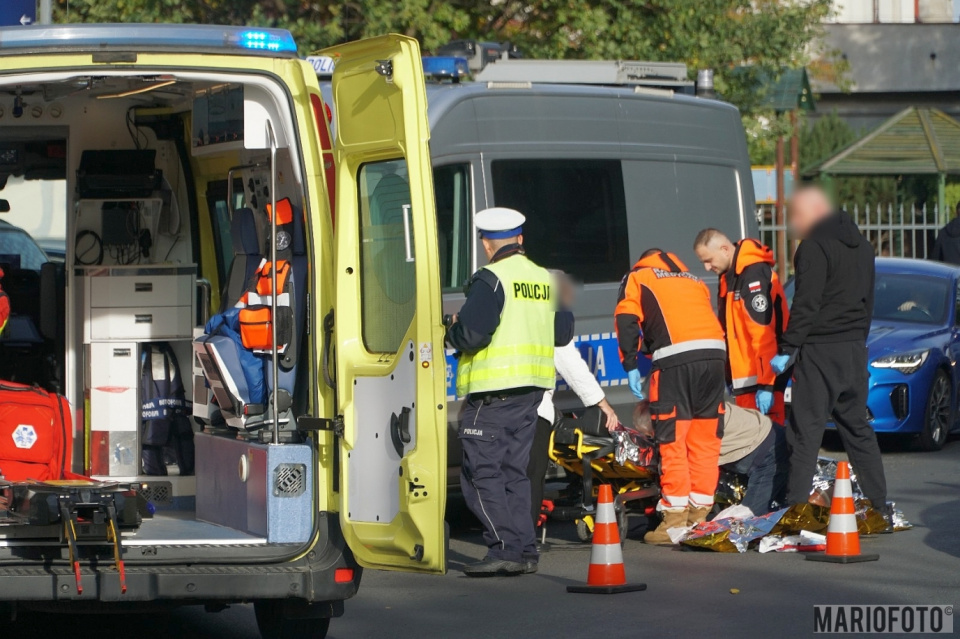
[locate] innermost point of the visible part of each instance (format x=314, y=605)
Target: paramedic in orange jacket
x=664, y=311
x=753, y=311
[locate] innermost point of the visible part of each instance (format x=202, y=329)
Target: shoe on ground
x=887, y=511
x=493, y=567
x=671, y=519
x=530, y=566
x=697, y=514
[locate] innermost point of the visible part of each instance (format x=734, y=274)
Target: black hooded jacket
x=947, y=248
x=834, y=286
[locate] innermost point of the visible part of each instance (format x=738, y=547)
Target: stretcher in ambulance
x=275, y=370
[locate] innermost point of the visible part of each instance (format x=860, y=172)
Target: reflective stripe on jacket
x=753, y=310
x=664, y=311
x=520, y=354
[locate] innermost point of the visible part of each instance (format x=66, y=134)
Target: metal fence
x=894, y=230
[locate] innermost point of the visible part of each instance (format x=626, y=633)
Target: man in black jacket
x=947, y=247
x=826, y=341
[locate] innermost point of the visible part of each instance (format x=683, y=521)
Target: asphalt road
x=689, y=593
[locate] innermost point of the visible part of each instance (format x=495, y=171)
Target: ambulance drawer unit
x=140, y=303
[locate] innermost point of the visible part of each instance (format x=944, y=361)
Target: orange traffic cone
x=843, y=540
x=606, y=575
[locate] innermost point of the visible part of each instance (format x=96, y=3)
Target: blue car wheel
x=939, y=413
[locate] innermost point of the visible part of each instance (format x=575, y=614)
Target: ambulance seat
x=247, y=254
x=297, y=285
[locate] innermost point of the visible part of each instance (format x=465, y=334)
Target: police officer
x=825, y=341
x=665, y=312
x=505, y=334
x=753, y=312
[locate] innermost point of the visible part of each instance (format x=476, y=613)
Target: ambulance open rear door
x=389, y=334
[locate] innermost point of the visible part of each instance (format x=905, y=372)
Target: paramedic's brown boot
x=671, y=519
x=697, y=514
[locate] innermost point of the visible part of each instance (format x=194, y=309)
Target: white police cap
x=499, y=223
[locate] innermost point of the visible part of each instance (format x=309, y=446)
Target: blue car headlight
x=906, y=363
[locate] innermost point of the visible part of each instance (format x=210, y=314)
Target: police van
x=199, y=172
x=605, y=158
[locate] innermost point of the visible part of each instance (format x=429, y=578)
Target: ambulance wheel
x=274, y=624
x=937, y=417
x=584, y=533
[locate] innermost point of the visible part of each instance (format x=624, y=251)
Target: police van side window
x=452, y=187
x=388, y=282
x=576, y=214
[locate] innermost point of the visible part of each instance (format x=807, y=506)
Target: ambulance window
x=220, y=216
x=388, y=282
x=576, y=214
x=452, y=187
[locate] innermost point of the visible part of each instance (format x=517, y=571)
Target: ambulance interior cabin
x=172, y=182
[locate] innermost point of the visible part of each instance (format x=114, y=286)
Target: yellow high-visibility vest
x=521, y=352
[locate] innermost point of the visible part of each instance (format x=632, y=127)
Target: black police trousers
x=830, y=383
x=497, y=433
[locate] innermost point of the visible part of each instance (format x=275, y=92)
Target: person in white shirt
x=576, y=375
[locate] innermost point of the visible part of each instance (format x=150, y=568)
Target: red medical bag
x=36, y=433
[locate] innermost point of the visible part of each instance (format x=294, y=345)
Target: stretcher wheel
x=584, y=531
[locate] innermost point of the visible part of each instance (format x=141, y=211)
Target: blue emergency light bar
x=445, y=68
x=147, y=37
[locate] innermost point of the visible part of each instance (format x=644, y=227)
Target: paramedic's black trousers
x=537, y=467
x=830, y=384
x=497, y=435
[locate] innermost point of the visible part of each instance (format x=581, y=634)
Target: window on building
x=452, y=187
x=576, y=214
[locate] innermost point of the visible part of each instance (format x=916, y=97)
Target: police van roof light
x=147, y=37
x=445, y=68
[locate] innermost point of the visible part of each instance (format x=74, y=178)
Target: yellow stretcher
x=584, y=449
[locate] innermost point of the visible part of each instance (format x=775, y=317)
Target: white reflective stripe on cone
x=606, y=514
x=686, y=347
x=606, y=554
x=842, y=524
x=842, y=488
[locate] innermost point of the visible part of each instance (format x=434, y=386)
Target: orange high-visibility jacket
x=753, y=310
x=668, y=309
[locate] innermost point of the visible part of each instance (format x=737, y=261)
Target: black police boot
x=530, y=565
x=493, y=567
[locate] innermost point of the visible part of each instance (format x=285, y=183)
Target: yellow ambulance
x=302, y=344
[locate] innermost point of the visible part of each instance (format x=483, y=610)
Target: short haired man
x=947, y=247
x=753, y=311
x=826, y=343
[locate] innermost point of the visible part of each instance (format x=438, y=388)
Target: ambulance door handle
x=406, y=232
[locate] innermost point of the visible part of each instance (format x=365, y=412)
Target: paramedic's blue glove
x=764, y=399
x=635, y=380
x=780, y=363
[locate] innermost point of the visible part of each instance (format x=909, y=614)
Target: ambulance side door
x=388, y=315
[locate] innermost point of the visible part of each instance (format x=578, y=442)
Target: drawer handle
x=143, y=287
x=143, y=319
x=122, y=352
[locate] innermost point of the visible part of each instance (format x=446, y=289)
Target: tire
x=273, y=624
x=938, y=415
x=584, y=533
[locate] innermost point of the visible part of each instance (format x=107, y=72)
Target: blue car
x=914, y=344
